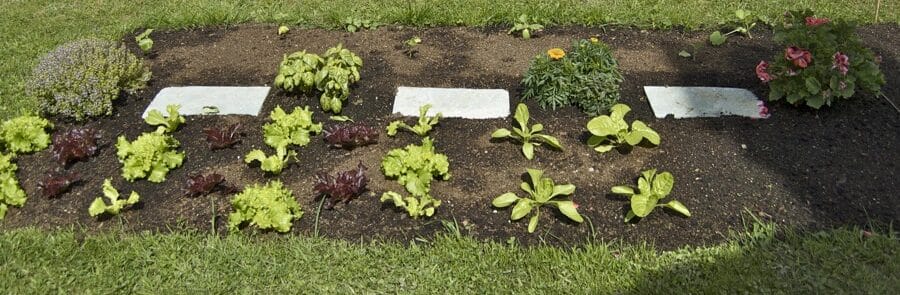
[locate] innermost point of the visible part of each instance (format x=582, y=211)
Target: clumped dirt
x=817, y=169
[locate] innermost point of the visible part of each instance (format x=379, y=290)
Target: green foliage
x=80, y=79
x=144, y=42
x=652, y=187
x=541, y=191
x=607, y=132
x=274, y=163
x=166, y=124
x=268, y=207
x=330, y=74
x=290, y=129
x=116, y=205
x=415, y=206
x=824, y=60
x=151, y=155
x=410, y=46
x=529, y=136
x=354, y=24
x=421, y=128
x=588, y=78
x=282, y=30
x=746, y=22
x=25, y=134
x=11, y=194
x=526, y=25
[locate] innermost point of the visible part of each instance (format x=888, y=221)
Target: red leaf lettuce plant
x=343, y=187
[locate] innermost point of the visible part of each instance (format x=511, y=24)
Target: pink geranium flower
x=841, y=62
x=763, y=110
x=761, y=71
x=814, y=21
x=800, y=57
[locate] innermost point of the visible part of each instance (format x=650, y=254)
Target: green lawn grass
x=833, y=262
x=30, y=28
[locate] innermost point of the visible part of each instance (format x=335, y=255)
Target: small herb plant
x=10, y=192
x=167, y=124
x=415, y=167
x=823, y=61
x=268, y=207
x=608, y=132
x=652, y=187
x=746, y=22
x=349, y=136
x=149, y=156
x=421, y=128
x=144, y=42
x=330, y=74
x=529, y=136
x=74, y=145
x=25, y=134
x=353, y=24
x=542, y=191
x=223, y=137
x=342, y=188
x=116, y=205
x=526, y=25
x=410, y=46
x=202, y=185
x=284, y=130
x=56, y=184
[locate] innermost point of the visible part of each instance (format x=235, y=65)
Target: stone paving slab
x=453, y=102
x=692, y=102
x=199, y=100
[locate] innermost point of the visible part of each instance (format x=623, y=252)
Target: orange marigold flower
x=556, y=53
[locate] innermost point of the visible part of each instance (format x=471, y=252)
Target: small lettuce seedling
x=222, y=137
x=25, y=134
x=56, y=184
x=349, y=136
x=421, y=128
x=416, y=166
x=151, y=155
x=10, y=192
x=116, y=205
x=415, y=207
x=144, y=42
x=542, y=191
x=268, y=207
x=283, y=30
x=611, y=131
x=274, y=163
x=529, y=136
x=524, y=24
x=653, y=187
x=167, y=124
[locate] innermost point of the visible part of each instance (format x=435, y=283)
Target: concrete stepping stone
x=692, y=102
x=453, y=102
x=211, y=100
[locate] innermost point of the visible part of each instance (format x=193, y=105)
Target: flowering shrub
x=587, y=77
x=822, y=60
x=80, y=79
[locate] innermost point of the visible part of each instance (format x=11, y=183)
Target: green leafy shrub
x=607, y=132
x=284, y=130
x=330, y=74
x=823, y=60
x=166, y=124
x=542, y=191
x=421, y=128
x=529, y=137
x=415, y=167
x=268, y=207
x=652, y=187
x=151, y=155
x=588, y=78
x=25, y=134
x=10, y=192
x=80, y=79
x=116, y=205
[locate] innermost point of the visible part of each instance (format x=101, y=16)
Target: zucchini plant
x=529, y=136
x=652, y=187
x=608, y=132
x=423, y=125
x=541, y=191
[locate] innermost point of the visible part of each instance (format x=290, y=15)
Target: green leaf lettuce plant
x=610, y=131
x=423, y=125
x=149, y=156
x=541, y=191
x=144, y=42
x=652, y=187
x=115, y=203
x=167, y=124
x=268, y=207
x=284, y=130
x=11, y=194
x=415, y=167
x=529, y=136
x=25, y=134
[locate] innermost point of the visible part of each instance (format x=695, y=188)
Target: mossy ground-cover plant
x=610, y=131
x=541, y=191
x=652, y=188
x=115, y=203
x=271, y=206
x=80, y=79
x=11, y=194
x=822, y=61
x=284, y=131
x=25, y=134
x=529, y=136
x=423, y=125
x=330, y=74
x=415, y=167
x=587, y=77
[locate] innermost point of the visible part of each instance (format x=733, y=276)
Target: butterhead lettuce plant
x=652, y=188
x=610, y=131
x=529, y=136
x=271, y=206
x=541, y=191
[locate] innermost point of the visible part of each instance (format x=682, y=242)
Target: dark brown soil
x=826, y=168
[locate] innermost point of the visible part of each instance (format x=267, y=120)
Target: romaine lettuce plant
x=268, y=207
x=167, y=124
x=529, y=136
x=341, y=188
x=151, y=155
x=542, y=191
x=274, y=163
x=56, y=184
x=25, y=134
x=415, y=206
x=116, y=205
x=415, y=167
x=652, y=187
x=349, y=136
x=421, y=128
x=611, y=131
x=10, y=192
x=74, y=145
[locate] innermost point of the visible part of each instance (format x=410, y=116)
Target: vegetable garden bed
x=824, y=168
